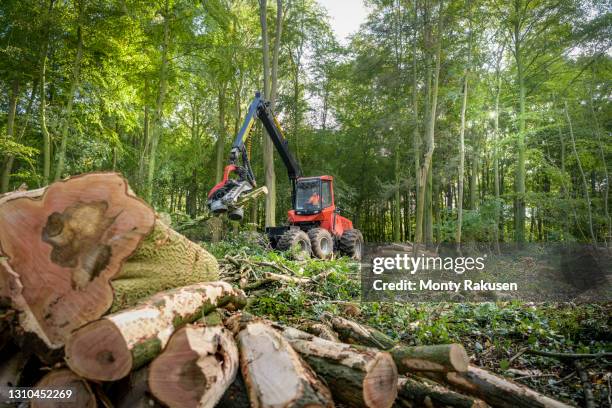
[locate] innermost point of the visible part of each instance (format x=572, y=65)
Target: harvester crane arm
x=230, y=193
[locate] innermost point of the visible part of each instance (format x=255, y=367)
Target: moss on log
x=109, y=348
x=164, y=260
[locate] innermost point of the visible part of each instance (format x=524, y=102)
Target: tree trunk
x=196, y=367
x=461, y=174
x=74, y=236
x=43, y=102
x=280, y=378
x=413, y=393
x=582, y=176
x=74, y=83
x=220, y=145
x=63, y=379
x=109, y=348
x=496, y=139
x=10, y=159
x=10, y=133
x=495, y=390
x=435, y=358
x=159, y=106
x=519, y=188
x=423, y=175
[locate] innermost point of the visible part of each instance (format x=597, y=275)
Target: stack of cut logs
x=83, y=247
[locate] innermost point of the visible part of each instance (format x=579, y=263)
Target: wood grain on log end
x=83, y=396
x=196, y=367
x=63, y=244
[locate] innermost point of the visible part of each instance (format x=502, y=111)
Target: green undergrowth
x=492, y=333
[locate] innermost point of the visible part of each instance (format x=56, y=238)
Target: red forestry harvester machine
x=315, y=225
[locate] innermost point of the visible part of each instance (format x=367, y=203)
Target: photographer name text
x=450, y=286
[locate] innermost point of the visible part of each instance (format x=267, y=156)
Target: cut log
x=10, y=374
x=60, y=246
x=352, y=332
x=495, y=390
x=274, y=373
x=413, y=393
x=63, y=379
x=357, y=376
x=132, y=391
x=163, y=261
x=196, y=367
x=109, y=348
x=436, y=358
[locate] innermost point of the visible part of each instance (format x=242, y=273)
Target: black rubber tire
x=321, y=243
x=292, y=238
x=351, y=244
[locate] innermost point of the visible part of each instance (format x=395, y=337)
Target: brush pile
x=99, y=296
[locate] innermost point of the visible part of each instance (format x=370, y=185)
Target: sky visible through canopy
x=345, y=16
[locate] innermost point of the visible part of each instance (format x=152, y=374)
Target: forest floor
x=495, y=334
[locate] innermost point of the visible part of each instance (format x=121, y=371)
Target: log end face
x=99, y=352
x=63, y=379
x=458, y=358
x=380, y=382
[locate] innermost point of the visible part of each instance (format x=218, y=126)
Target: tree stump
x=196, y=367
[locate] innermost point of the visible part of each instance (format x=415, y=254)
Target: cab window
x=326, y=195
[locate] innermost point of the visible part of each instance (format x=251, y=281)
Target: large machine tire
x=297, y=242
x=351, y=244
x=321, y=242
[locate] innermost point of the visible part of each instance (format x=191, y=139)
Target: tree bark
x=275, y=375
x=10, y=133
x=495, y=390
x=164, y=260
x=159, y=105
x=461, y=161
x=423, y=175
x=74, y=84
x=582, y=176
x=43, y=102
x=83, y=396
x=196, y=367
x=74, y=236
x=413, y=393
x=354, y=333
x=357, y=376
x=519, y=188
x=109, y=348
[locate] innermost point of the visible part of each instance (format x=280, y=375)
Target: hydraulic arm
x=230, y=194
